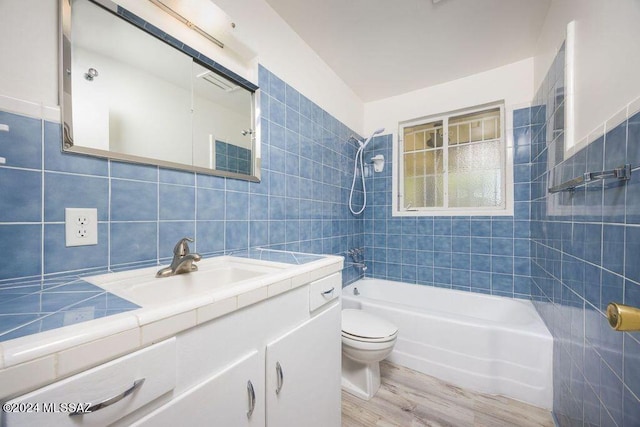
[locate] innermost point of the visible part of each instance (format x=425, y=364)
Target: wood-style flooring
x=408, y=398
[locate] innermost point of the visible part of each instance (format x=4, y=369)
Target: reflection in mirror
x=140, y=101
x=131, y=96
x=222, y=131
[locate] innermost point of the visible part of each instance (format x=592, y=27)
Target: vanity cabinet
x=276, y=363
x=228, y=398
x=273, y=362
x=303, y=374
x=114, y=390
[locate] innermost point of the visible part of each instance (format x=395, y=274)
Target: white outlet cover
x=81, y=232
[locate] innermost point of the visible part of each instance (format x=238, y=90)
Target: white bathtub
x=491, y=344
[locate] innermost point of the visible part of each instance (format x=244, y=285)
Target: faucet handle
x=182, y=247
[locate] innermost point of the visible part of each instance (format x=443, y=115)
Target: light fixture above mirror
x=208, y=20
x=171, y=10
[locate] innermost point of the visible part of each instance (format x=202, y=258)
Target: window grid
x=426, y=148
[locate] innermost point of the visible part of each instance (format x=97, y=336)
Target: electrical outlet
x=81, y=226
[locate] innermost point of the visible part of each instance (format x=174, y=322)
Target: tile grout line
x=109, y=207
x=195, y=209
x=42, y=199
x=157, y=221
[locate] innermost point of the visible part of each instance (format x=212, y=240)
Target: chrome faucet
x=183, y=260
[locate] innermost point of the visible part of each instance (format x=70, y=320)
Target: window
x=452, y=164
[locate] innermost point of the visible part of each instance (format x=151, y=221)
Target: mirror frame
x=66, y=99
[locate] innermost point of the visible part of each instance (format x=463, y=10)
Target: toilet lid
x=361, y=324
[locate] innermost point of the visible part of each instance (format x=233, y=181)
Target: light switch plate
x=81, y=226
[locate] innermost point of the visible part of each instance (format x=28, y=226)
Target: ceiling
x=382, y=48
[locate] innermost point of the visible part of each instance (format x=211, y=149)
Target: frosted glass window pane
x=491, y=129
x=463, y=133
x=483, y=156
x=410, y=191
x=459, y=189
x=421, y=163
x=420, y=192
x=409, y=165
x=438, y=137
x=479, y=126
x=488, y=155
x=419, y=138
x=409, y=142
x=433, y=196
x=475, y=173
x=439, y=161
x=439, y=191
x=423, y=136
x=430, y=139
x=477, y=189
x=476, y=130
x=453, y=135
x=432, y=161
x=457, y=158
x=415, y=192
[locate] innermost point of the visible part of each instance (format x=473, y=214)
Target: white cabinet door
x=303, y=374
x=225, y=399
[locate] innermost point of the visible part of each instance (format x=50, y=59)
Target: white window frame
x=398, y=206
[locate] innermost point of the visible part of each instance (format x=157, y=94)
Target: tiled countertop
x=32, y=307
x=52, y=329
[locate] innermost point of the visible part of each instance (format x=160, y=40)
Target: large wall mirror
x=129, y=95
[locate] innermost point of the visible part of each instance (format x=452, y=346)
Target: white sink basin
x=214, y=275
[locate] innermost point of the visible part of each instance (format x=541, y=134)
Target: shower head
x=362, y=144
x=375, y=132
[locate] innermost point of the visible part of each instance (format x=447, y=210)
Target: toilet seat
x=349, y=345
x=358, y=325
x=367, y=339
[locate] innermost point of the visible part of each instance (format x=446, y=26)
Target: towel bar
x=622, y=173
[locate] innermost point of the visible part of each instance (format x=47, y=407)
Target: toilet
x=366, y=340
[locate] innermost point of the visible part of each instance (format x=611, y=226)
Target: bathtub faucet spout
x=360, y=265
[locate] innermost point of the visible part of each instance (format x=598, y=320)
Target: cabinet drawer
x=112, y=383
x=324, y=290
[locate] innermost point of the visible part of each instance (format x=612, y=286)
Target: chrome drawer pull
x=329, y=292
x=280, y=377
x=252, y=399
x=110, y=401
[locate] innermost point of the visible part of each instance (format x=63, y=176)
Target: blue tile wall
x=300, y=204
x=585, y=251
x=474, y=253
